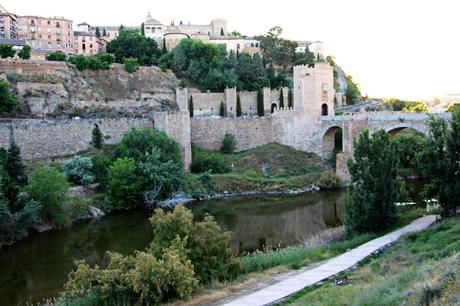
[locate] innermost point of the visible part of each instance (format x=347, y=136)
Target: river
x=37, y=267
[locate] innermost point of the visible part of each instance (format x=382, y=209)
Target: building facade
x=317, y=47
x=8, y=25
x=87, y=42
x=47, y=33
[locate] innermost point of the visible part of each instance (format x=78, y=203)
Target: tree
x=131, y=44
x=228, y=144
x=131, y=64
x=104, y=33
x=374, y=189
x=100, y=169
x=260, y=103
x=353, y=94
x=49, y=188
x=290, y=99
x=277, y=50
x=57, y=56
x=8, y=100
x=97, y=137
x=238, y=105
x=190, y=106
x=124, y=187
x=25, y=52
x=222, y=32
x=142, y=29
x=441, y=162
x=6, y=51
x=281, y=98
x=98, y=32
x=14, y=166
x=137, y=142
x=222, y=109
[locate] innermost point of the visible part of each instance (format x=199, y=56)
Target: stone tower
x=314, y=89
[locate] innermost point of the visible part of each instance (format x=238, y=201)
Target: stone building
x=87, y=42
x=317, y=47
x=8, y=25
x=47, y=33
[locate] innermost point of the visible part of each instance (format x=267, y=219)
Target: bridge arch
x=331, y=141
x=394, y=128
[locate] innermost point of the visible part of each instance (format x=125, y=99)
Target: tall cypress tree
x=14, y=166
x=374, y=187
x=104, y=33
x=290, y=99
x=142, y=29
x=98, y=32
x=190, y=106
x=238, y=105
x=281, y=98
x=96, y=137
x=222, y=109
x=260, y=103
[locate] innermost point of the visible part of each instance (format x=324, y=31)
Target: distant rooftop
x=14, y=42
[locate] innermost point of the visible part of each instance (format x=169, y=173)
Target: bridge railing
x=387, y=116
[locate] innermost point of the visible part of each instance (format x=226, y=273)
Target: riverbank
x=424, y=267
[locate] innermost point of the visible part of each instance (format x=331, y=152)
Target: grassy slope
x=270, y=167
x=421, y=269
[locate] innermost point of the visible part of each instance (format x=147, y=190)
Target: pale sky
x=399, y=48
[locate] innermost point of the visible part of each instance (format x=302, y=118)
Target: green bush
x=228, y=144
x=329, y=180
x=57, y=56
x=131, y=64
x=25, y=52
x=8, y=100
x=100, y=169
x=6, y=51
x=124, y=184
x=97, y=137
x=78, y=170
x=203, y=162
x=80, y=62
x=49, y=188
x=209, y=246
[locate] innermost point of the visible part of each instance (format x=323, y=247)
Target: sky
x=393, y=48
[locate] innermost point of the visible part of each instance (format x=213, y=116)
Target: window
x=49, y=30
x=48, y=22
x=324, y=109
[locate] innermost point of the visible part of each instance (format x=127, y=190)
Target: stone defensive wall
x=208, y=133
x=41, y=139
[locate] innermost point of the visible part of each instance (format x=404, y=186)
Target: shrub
x=203, y=162
x=131, y=64
x=49, y=188
x=228, y=144
x=101, y=169
x=8, y=100
x=80, y=62
x=6, y=51
x=25, y=52
x=329, y=180
x=209, y=247
x=124, y=184
x=222, y=109
x=57, y=56
x=78, y=170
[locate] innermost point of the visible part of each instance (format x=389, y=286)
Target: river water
x=36, y=268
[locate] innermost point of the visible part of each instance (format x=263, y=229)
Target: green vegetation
x=421, y=269
x=131, y=44
x=57, y=56
x=6, y=51
x=222, y=109
x=394, y=104
x=277, y=50
x=190, y=106
x=124, y=186
x=24, y=53
x=228, y=144
x=96, y=137
x=440, y=161
x=260, y=103
x=329, y=180
x=374, y=187
x=100, y=61
x=281, y=104
x=204, y=161
x=8, y=101
x=417, y=108
x=238, y=105
x=407, y=143
x=131, y=64
x=353, y=93
x=182, y=256
x=78, y=170
x=209, y=67
x=290, y=99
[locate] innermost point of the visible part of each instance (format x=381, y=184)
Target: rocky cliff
x=59, y=90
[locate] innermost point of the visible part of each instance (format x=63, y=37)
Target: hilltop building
x=87, y=42
x=317, y=47
x=8, y=25
x=215, y=32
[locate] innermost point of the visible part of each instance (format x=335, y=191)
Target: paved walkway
x=291, y=285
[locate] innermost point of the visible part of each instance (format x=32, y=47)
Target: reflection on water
x=274, y=221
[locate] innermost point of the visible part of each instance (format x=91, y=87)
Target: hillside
x=58, y=89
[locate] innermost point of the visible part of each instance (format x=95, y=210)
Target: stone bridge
x=352, y=125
